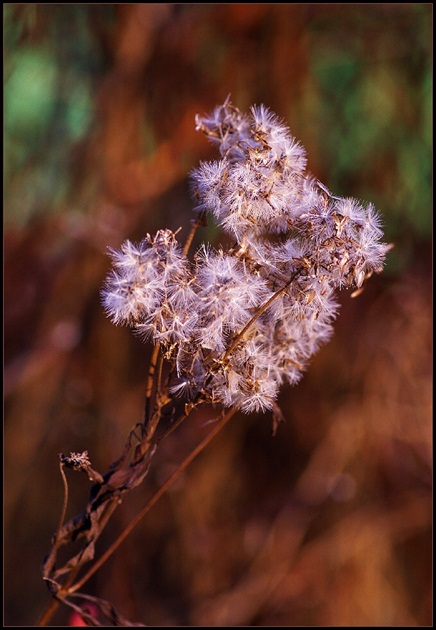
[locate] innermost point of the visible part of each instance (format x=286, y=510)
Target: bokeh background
x=329, y=522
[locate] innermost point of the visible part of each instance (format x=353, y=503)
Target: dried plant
x=229, y=326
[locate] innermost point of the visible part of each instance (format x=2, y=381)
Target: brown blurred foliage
x=329, y=522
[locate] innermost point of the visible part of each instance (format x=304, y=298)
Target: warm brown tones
x=328, y=522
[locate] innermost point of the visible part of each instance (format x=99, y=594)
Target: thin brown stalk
x=159, y=401
x=54, y=603
x=195, y=225
x=65, y=502
x=150, y=503
x=48, y=612
x=257, y=314
x=178, y=422
x=150, y=381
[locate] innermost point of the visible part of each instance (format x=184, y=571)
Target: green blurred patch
x=51, y=61
x=30, y=94
x=374, y=106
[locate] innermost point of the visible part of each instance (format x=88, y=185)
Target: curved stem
x=65, y=503
x=54, y=603
x=257, y=314
x=200, y=447
x=150, y=381
x=195, y=225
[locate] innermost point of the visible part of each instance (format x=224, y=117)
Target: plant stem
x=200, y=221
x=150, y=382
x=198, y=449
x=257, y=314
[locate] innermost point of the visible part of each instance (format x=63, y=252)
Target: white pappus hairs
x=236, y=324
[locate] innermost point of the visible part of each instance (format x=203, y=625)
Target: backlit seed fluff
x=236, y=323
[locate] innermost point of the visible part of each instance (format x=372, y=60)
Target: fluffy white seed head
x=237, y=323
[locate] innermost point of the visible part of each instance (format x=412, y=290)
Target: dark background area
x=329, y=523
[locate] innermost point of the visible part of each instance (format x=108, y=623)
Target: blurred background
x=329, y=522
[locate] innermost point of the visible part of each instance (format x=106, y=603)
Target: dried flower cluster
x=237, y=323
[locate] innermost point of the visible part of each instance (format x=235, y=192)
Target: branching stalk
x=198, y=449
